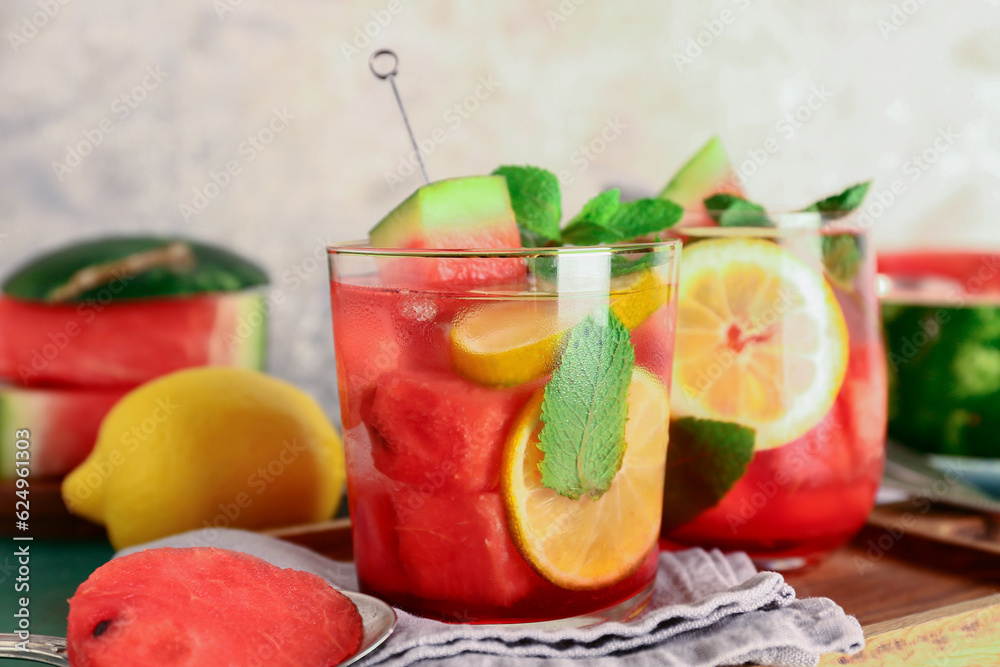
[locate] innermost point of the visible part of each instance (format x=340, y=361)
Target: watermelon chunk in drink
x=436, y=428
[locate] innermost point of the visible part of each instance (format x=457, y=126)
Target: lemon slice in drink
x=507, y=344
x=761, y=339
x=510, y=343
x=586, y=544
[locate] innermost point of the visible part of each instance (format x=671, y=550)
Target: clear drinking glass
x=449, y=366
x=778, y=333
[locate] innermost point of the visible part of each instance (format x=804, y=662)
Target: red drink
x=815, y=358
x=441, y=392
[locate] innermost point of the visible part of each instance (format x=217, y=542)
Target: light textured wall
x=885, y=81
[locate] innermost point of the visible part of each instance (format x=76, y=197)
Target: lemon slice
x=586, y=544
x=636, y=296
x=510, y=343
x=761, y=339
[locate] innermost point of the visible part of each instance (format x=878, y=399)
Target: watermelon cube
x=437, y=430
x=457, y=549
x=373, y=532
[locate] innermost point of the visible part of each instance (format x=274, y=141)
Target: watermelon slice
x=431, y=427
x=457, y=549
x=62, y=423
x=207, y=606
x=118, y=312
x=459, y=213
x=709, y=172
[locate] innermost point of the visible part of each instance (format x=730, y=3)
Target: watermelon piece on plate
x=120, y=311
x=709, y=172
x=431, y=427
x=457, y=549
x=62, y=423
x=208, y=606
x=455, y=214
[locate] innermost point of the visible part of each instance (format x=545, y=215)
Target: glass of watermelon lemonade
x=779, y=404
x=505, y=417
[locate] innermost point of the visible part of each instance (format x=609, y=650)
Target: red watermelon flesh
x=457, y=549
x=63, y=424
x=432, y=427
x=126, y=343
x=203, y=607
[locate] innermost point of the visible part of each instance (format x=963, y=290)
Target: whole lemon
x=209, y=447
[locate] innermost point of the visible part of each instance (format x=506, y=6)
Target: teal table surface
x=55, y=569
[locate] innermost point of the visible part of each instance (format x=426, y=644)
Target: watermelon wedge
x=708, y=172
x=458, y=213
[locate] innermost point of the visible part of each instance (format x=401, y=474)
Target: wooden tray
x=920, y=601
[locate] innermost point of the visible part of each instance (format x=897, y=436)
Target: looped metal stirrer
x=390, y=74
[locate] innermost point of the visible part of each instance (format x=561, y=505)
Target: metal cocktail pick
x=391, y=76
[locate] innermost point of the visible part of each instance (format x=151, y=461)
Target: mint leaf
x=842, y=257
x=841, y=204
x=621, y=265
x=645, y=216
x=705, y=458
x=591, y=225
x=585, y=408
x=605, y=219
x=734, y=211
x=537, y=204
x=842, y=253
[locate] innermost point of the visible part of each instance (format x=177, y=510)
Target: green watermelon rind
x=8, y=431
x=215, y=270
x=249, y=350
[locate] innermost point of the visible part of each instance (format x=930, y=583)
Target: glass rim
x=362, y=247
x=788, y=224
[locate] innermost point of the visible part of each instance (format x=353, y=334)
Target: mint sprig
x=591, y=226
x=585, y=408
x=537, y=204
x=606, y=219
x=705, y=459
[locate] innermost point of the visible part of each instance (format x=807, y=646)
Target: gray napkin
x=707, y=609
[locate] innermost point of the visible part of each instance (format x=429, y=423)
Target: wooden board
x=920, y=601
